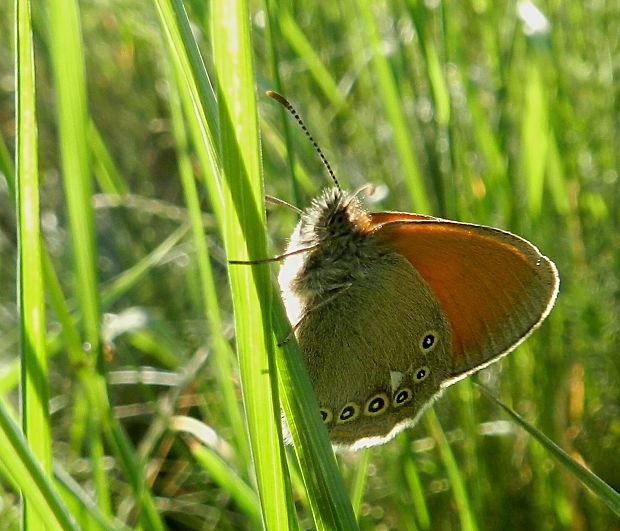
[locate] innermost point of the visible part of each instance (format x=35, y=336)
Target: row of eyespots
x=376, y=404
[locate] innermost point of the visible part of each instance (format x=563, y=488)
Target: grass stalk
x=244, y=239
x=34, y=388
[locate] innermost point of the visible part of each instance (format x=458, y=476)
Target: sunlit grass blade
x=190, y=69
x=198, y=100
x=244, y=238
x=44, y=502
x=67, y=61
x=34, y=386
x=534, y=136
x=222, y=355
x=69, y=78
x=588, y=478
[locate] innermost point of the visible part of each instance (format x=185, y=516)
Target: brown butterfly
x=389, y=308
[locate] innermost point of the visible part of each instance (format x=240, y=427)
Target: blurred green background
x=497, y=113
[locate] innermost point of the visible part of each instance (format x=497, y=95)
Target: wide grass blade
x=69, y=77
x=67, y=59
x=222, y=355
x=244, y=238
x=34, y=388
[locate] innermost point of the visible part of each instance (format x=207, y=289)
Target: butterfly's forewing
x=493, y=286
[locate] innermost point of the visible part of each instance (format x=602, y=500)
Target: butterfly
x=390, y=308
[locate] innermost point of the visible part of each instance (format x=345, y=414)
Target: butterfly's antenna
x=284, y=102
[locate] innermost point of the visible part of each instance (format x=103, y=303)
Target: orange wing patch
x=493, y=286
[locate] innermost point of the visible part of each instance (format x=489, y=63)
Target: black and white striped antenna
x=284, y=102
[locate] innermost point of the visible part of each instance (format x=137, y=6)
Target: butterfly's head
x=333, y=215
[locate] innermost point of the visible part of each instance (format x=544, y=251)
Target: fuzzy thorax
x=339, y=231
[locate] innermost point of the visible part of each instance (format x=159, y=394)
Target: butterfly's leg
x=274, y=259
x=280, y=202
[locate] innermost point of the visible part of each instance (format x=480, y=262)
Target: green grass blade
x=34, y=387
x=466, y=516
x=359, y=481
x=222, y=354
x=218, y=469
x=388, y=93
x=244, y=238
x=198, y=101
x=588, y=478
x=67, y=60
x=44, y=502
x=534, y=137
x=302, y=46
